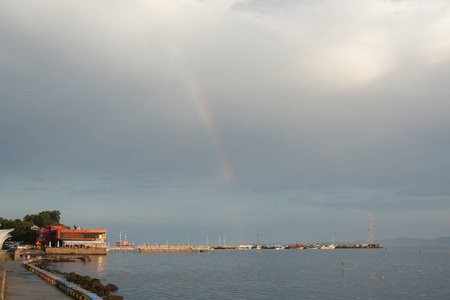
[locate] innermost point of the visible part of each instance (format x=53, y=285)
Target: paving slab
x=22, y=284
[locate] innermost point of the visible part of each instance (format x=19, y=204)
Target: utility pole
x=370, y=239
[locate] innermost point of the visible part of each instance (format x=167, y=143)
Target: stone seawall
x=2, y=274
x=67, y=287
x=76, y=251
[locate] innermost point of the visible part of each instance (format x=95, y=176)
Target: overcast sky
x=176, y=120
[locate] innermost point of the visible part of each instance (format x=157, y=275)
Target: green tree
x=22, y=232
x=44, y=218
x=6, y=224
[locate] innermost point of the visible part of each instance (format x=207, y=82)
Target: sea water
x=402, y=272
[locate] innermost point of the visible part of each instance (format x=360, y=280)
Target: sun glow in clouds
x=206, y=119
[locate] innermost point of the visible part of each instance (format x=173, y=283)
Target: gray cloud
x=312, y=101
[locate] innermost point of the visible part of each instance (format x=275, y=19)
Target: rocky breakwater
x=94, y=285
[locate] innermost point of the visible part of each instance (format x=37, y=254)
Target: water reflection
x=101, y=265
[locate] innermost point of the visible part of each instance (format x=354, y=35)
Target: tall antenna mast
x=370, y=240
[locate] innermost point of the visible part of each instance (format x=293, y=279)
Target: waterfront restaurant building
x=60, y=236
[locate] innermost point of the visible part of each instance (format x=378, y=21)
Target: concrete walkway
x=2, y=276
x=22, y=284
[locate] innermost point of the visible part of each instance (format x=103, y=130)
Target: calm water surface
x=401, y=272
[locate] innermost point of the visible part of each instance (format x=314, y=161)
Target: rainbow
x=205, y=117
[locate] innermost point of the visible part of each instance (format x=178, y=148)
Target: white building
x=4, y=234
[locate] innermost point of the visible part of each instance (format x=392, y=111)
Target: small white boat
x=331, y=246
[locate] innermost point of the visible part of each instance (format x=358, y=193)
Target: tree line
x=22, y=228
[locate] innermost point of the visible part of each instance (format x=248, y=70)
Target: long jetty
x=159, y=249
x=206, y=248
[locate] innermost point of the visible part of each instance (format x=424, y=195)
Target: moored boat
x=330, y=246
